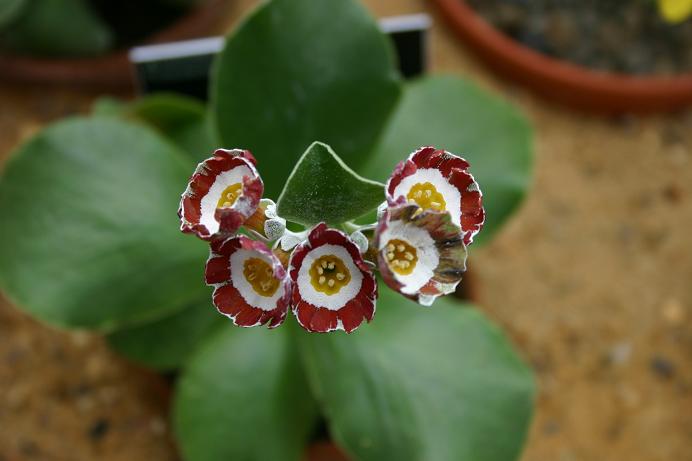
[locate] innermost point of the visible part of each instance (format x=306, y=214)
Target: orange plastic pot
x=560, y=81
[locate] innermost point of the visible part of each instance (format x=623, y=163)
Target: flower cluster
x=432, y=210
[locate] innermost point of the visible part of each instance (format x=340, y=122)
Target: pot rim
x=562, y=81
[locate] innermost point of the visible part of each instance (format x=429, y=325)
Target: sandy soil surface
x=591, y=279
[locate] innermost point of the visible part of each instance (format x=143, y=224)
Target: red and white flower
x=224, y=191
x=437, y=180
x=420, y=252
x=251, y=287
x=333, y=287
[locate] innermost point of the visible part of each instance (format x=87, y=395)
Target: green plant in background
x=78, y=28
x=89, y=239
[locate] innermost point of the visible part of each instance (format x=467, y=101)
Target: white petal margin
x=428, y=256
x=433, y=176
x=266, y=303
x=338, y=300
x=209, y=201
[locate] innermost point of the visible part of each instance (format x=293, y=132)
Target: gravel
x=610, y=35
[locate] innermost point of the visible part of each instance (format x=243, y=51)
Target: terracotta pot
x=113, y=69
x=561, y=81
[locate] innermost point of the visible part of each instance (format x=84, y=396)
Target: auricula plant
x=333, y=250
x=430, y=210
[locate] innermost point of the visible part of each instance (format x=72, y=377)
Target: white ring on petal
x=450, y=193
x=211, y=199
x=428, y=256
x=266, y=303
x=337, y=300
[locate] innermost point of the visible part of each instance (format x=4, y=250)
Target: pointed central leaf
x=322, y=188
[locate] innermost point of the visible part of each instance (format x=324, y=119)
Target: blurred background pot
x=99, y=64
x=563, y=82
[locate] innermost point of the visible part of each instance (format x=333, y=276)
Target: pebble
x=157, y=426
x=29, y=448
x=551, y=428
x=98, y=429
x=673, y=193
x=673, y=312
x=620, y=353
x=662, y=367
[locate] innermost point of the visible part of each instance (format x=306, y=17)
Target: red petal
x=324, y=320
x=316, y=236
x=277, y=317
x=228, y=301
x=217, y=270
x=421, y=157
x=351, y=315
x=402, y=170
x=229, y=220
x=248, y=317
x=304, y=313
x=471, y=203
x=461, y=180
x=429, y=157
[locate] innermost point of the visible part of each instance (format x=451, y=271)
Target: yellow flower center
x=401, y=257
x=426, y=196
x=328, y=274
x=260, y=275
x=230, y=195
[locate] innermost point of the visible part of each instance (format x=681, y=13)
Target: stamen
x=329, y=274
x=426, y=196
x=390, y=248
x=230, y=195
x=404, y=257
x=259, y=273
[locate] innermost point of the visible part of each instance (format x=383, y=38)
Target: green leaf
x=108, y=106
x=323, y=188
x=422, y=384
x=9, y=10
x=57, y=28
x=300, y=70
x=456, y=115
x=166, y=344
x=181, y=119
x=89, y=234
x=243, y=396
